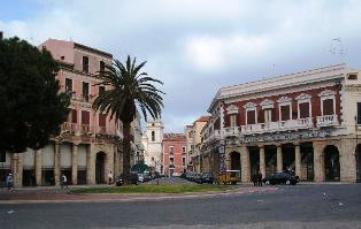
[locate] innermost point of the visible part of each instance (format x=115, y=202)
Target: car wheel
x=288, y=182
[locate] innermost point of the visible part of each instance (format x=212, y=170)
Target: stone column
x=38, y=167
x=109, y=164
x=298, y=160
x=262, y=160
x=246, y=165
x=74, y=164
x=17, y=169
x=57, y=163
x=90, y=165
x=279, y=159
x=347, y=155
x=319, y=161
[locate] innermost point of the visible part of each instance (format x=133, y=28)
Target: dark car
x=197, y=178
x=132, y=178
x=207, y=178
x=281, y=178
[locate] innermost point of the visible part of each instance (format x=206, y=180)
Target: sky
x=198, y=46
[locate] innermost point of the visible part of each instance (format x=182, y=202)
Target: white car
x=141, y=178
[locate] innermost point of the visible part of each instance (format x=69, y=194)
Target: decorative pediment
x=250, y=105
x=327, y=93
x=284, y=99
x=232, y=109
x=303, y=96
x=266, y=104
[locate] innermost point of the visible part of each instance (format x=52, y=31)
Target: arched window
x=153, y=136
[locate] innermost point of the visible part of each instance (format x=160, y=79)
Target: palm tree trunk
x=126, y=152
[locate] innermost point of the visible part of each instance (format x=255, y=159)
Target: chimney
x=1, y=35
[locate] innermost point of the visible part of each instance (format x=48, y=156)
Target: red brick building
x=174, y=154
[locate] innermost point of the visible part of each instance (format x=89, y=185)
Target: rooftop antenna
x=337, y=49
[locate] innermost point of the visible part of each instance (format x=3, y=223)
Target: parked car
x=183, y=175
x=119, y=180
x=197, y=178
x=140, y=177
x=281, y=178
x=207, y=177
x=133, y=179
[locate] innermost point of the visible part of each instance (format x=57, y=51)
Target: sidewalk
x=37, y=195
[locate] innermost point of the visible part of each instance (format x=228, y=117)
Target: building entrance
x=332, y=163
x=100, y=168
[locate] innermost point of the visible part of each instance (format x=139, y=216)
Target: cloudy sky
x=198, y=46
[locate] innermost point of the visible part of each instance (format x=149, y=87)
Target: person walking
x=254, y=179
x=110, y=177
x=10, y=182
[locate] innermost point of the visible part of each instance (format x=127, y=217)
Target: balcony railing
x=232, y=131
x=327, y=120
x=303, y=123
x=80, y=129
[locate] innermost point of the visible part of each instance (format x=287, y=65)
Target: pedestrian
x=64, y=181
x=110, y=177
x=259, y=179
x=254, y=179
x=10, y=182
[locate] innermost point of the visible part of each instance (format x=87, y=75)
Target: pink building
x=174, y=154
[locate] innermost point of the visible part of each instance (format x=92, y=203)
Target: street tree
x=32, y=108
x=130, y=89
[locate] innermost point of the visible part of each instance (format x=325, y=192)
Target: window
x=358, y=113
x=184, y=161
x=171, y=150
x=352, y=77
x=152, y=158
x=184, y=149
x=68, y=86
x=62, y=57
x=285, y=113
x=102, y=120
x=86, y=91
x=101, y=90
x=85, y=117
x=251, y=117
x=304, y=109
x=85, y=64
x=2, y=157
x=101, y=66
x=74, y=116
x=153, y=136
x=267, y=114
x=233, y=120
x=171, y=161
x=327, y=106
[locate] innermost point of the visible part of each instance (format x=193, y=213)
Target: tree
x=131, y=89
x=32, y=108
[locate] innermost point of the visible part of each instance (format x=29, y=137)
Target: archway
x=235, y=161
x=358, y=163
x=332, y=163
x=288, y=155
x=100, y=168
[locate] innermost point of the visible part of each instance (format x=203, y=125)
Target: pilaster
x=246, y=164
x=262, y=160
x=38, y=166
x=298, y=160
x=90, y=165
x=279, y=159
x=17, y=169
x=74, y=164
x=319, y=161
x=57, y=163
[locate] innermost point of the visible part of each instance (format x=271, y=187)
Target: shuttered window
x=85, y=117
x=233, y=120
x=251, y=117
x=285, y=113
x=304, y=110
x=102, y=120
x=74, y=116
x=328, y=107
x=358, y=113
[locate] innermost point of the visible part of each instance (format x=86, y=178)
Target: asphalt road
x=301, y=206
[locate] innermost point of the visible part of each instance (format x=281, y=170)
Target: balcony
x=303, y=123
x=232, y=132
x=327, y=120
x=85, y=129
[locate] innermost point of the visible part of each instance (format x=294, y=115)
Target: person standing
x=10, y=182
x=259, y=179
x=254, y=179
x=110, y=177
x=64, y=181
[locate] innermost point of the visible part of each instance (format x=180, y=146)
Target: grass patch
x=153, y=188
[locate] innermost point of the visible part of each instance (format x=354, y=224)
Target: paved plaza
x=300, y=206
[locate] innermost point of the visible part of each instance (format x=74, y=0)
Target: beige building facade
x=306, y=122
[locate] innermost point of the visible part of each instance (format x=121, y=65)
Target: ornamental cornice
x=303, y=96
x=250, y=105
x=284, y=99
x=267, y=103
x=327, y=93
x=232, y=109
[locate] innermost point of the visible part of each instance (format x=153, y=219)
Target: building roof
x=282, y=81
x=174, y=136
x=204, y=118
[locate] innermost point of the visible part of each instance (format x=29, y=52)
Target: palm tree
x=130, y=89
